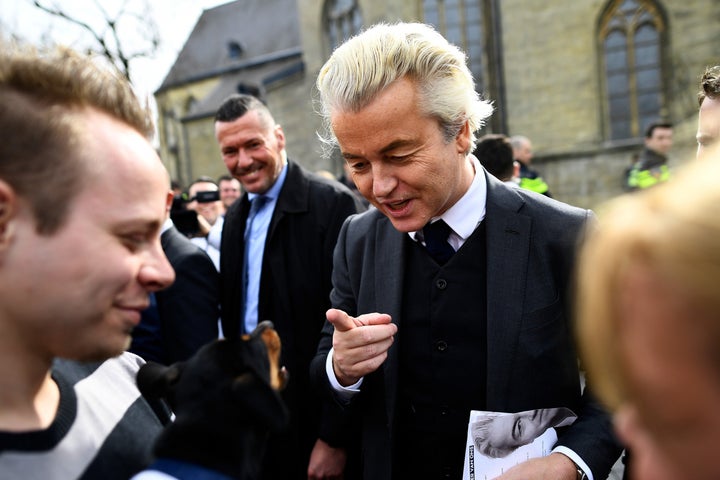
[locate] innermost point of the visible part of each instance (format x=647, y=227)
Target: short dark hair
x=709, y=84
x=651, y=128
x=496, y=154
x=238, y=104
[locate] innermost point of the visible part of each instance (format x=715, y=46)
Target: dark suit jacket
x=294, y=286
x=531, y=360
x=187, y=312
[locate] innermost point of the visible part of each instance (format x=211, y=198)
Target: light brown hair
x=43, y=93
x=669, y=231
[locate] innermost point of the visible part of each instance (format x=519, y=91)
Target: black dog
x=226, y=402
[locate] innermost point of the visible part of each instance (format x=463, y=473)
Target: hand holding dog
x=360, y=344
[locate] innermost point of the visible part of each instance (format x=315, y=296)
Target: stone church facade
x=581, y=79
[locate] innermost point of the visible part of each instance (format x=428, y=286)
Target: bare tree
x=121, y=36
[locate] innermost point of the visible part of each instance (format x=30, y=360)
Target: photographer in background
x=230, y=191
x=203, y=198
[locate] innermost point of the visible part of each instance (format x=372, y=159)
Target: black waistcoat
x=442, y=351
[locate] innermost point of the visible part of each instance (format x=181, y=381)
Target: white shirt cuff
x=343, y=393
x=575, y=458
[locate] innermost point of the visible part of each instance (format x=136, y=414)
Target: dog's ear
x=266, y=333
x=155, y=380
x=261, y=401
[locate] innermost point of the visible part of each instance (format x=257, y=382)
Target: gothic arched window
x=460, y=21
x=630, y=37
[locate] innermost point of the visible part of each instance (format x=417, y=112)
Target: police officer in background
x=651, y=167
x=529, y=178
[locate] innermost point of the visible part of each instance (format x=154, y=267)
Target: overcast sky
x=175, y=20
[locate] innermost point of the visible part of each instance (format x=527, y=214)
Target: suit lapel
x=508, y=246
x=389, y=260
x=390, y=246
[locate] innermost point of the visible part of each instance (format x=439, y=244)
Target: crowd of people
x=436, y=277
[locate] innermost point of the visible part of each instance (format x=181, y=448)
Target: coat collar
x=294, y=195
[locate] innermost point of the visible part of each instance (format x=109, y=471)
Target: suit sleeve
x=337, y=427
x=591, y=436
x=191, y=308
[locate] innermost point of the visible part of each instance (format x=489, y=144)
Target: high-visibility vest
x=536, y=184
x=642, y=179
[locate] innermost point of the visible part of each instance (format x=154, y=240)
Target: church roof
x=244, y=34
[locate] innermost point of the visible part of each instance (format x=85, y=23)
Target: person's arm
x=190, y=308
x=341, y=297
x=337, y=412
x=362, y=343
x=589, y=443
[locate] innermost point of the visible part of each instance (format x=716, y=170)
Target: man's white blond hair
x=368, y=63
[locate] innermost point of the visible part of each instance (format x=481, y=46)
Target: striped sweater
x=103, y=429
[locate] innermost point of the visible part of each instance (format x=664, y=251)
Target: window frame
x=617, y=18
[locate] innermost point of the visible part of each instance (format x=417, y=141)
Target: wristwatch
x=581, y=475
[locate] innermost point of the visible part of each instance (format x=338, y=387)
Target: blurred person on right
x=708, y=130
x=649, y=322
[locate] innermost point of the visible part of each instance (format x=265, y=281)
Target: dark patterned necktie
x=436, y=236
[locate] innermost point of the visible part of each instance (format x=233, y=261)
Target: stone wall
x=552, y=86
